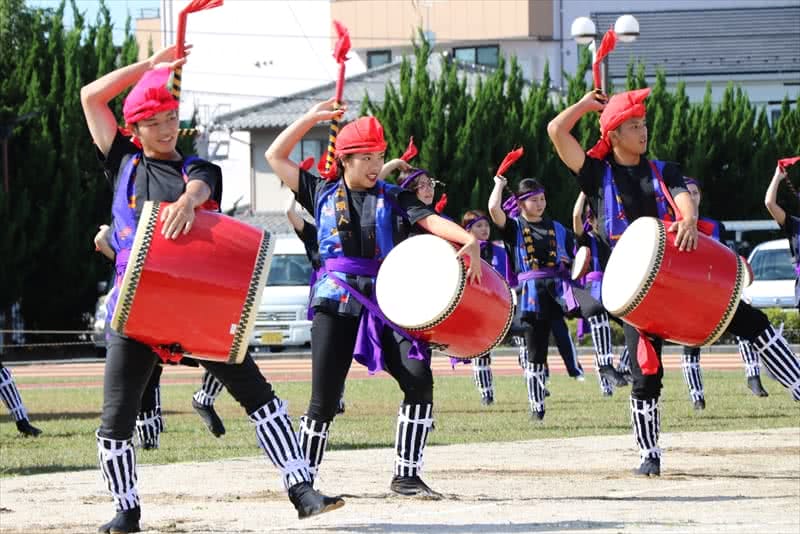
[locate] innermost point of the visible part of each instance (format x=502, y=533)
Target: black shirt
x=158, y=180
x=603, y=252
x=791, y=227
x=634, y=185
x=543, y=242
x=308, y=235
x=309, y=184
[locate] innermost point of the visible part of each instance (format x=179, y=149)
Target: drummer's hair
x=471, y=215
x=528, y=184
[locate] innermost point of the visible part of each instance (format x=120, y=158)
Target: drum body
x=685, y=297
x=200, y=291
x=422, y=287
x=580, y=265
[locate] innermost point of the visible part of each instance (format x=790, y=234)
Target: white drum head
x=419, y=281
x=581, y=262
x=631, y=264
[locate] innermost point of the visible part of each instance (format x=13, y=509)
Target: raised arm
x=771, y=197
x=560, y=129
x=577, y=214
x=390, y=166
x=96, y=95
x=281, y=148
x=496, y=202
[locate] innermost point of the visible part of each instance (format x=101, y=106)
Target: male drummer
x=158, y=172
x=623, y=185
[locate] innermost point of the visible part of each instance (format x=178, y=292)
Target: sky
x=119, y=11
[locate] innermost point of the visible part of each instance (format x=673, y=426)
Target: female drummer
x=588, y=297
x=542, y=255
x=357, y=225
x=790, y=224
x=157, y=171
x=476, y=222
x=621, y=186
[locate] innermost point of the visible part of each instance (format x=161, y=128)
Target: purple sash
x=369, y=350
x=570, y=302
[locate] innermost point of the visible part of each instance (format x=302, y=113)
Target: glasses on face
x=428, y=184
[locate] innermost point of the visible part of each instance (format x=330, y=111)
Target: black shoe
x=651, y=467
x=626, y=375
x=149, y=445
x=546, y=392
x=125, y=521
x=209, y=416
x=608, y=393
x=487, y=401
x=340, y=408
x=537, y=416
x=27, y=429
x=309, y=502
x=614, y=377
x=754, y=383
x=699, y=405
x=413, y=486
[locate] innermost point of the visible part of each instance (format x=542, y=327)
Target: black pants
x=538, y=327
x=333, y=338
x=747, y=323
x=129, y=366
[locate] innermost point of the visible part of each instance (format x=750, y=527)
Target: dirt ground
x=712, y=482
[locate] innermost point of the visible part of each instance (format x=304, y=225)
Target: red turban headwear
x=620, y=107
x=361, y=136
x=149, y=96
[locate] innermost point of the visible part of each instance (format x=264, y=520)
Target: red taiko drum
x=685, y=297
x=199, y=292
x=422, y=287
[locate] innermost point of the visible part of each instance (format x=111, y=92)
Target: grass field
x=69, y=417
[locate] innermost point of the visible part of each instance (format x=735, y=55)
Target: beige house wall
x=376, y=24
x=147, y=30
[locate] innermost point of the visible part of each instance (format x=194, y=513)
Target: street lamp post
x=584, y=32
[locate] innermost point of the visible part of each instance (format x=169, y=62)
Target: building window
x=479, y=55
x=376, y=58
x=306, y=148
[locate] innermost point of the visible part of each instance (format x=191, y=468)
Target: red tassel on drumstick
x=411, y=151
x=510, y=205
x=174, y=83
x=606, y=47
x=340, y=55
x=307, y=163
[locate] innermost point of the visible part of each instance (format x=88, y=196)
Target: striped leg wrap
x=624, y=361
x=522, y=355
x=149, y=425
x=605, y=386
x=752, y=366
x=414, y=422
x=10, y=395
x=692, y=374
x=313, y=437
x=209, y=390
x=646, y=427
x=117, y=460
x=780, y=361
x=535, y=376
x=277, y=439
x=601, y=337
x=482, y=371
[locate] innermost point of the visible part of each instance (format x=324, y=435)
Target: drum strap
x=368, y=350
x=705, y=227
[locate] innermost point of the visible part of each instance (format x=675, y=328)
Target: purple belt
x=369, y=349
x=539, y=274
x=594, y=276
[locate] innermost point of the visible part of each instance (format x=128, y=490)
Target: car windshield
x=289, y=270
x=772, y=264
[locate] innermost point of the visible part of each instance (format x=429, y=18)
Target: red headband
x=361, y=136
x=149, y=96
x=620, y=107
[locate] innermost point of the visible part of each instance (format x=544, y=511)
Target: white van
x=773, y=276
x=282, y=318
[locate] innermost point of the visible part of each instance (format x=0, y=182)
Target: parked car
x=282, y=315
x=773, y=276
